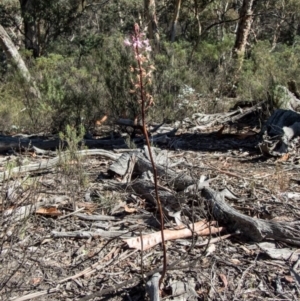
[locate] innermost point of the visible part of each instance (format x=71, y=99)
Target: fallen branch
x=206, y=121
x=36, y=295
x=148, y=241
x=253, y=228
x=22, y=212
x=53, y=162
x=88, y=234
x=20, y=143
x=228, y=173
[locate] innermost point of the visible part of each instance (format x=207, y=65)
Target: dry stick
x=136, y=32
x=35, y=295
x=142, y=255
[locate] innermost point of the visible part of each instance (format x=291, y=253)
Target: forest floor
x=73, y=245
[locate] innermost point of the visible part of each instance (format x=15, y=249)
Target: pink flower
x=138, y=40
x=137, y=43
x=127, y=42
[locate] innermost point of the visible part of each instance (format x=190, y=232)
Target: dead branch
x=19, y=143
x=88, y=234
x=53, y=162
x=202, y=228
x=205, y=121
x=255, y=229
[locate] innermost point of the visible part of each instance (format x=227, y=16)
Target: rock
x=284, y=99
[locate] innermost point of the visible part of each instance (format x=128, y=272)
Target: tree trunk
x=244, y=26
x=175, y=20
x=196, y=12
x=31, y=28
x=12, y=53
x=151, y=20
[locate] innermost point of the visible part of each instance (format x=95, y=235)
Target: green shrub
x=177, y=66
x=71, y=95
x=264, y=70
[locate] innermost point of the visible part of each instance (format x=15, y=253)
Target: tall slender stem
x=143, y=99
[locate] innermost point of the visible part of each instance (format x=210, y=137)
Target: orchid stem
x=143, y=100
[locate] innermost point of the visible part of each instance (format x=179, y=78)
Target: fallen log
x=152, y=287
x=20, y=143
x=8, y=143
x=53, y=162
x=253, y=228
x=206, y=121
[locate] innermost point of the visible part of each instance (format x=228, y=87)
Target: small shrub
x=71, y=163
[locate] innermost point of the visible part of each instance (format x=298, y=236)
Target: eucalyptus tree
x=152, y=21
x=44, y=21
x=243, y=30
x=13, y=54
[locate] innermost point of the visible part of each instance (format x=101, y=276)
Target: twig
x=35, y=295
x=72, y=213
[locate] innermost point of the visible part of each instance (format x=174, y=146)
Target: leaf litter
x=63, y=241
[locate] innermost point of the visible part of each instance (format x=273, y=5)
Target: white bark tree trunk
x=175, y=20
x=151, y=20
x=12, y=54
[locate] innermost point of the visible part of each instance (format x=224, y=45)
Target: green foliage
x=130, y=143
x=71, y=95
x=71, y=162
x=266, y=69
x=178, y=66
x=72, y=137
x=281, y=97
x=83, y=70
x=58, y=18
x=13, y=111
x=114, y=61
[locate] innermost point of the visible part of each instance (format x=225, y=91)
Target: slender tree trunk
x=12, y=54
x=244, y=26
x=276, y=34
x=196, y=11
x=151, y=20
x=175, y=20
x=238, y=51
x=31, y=27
